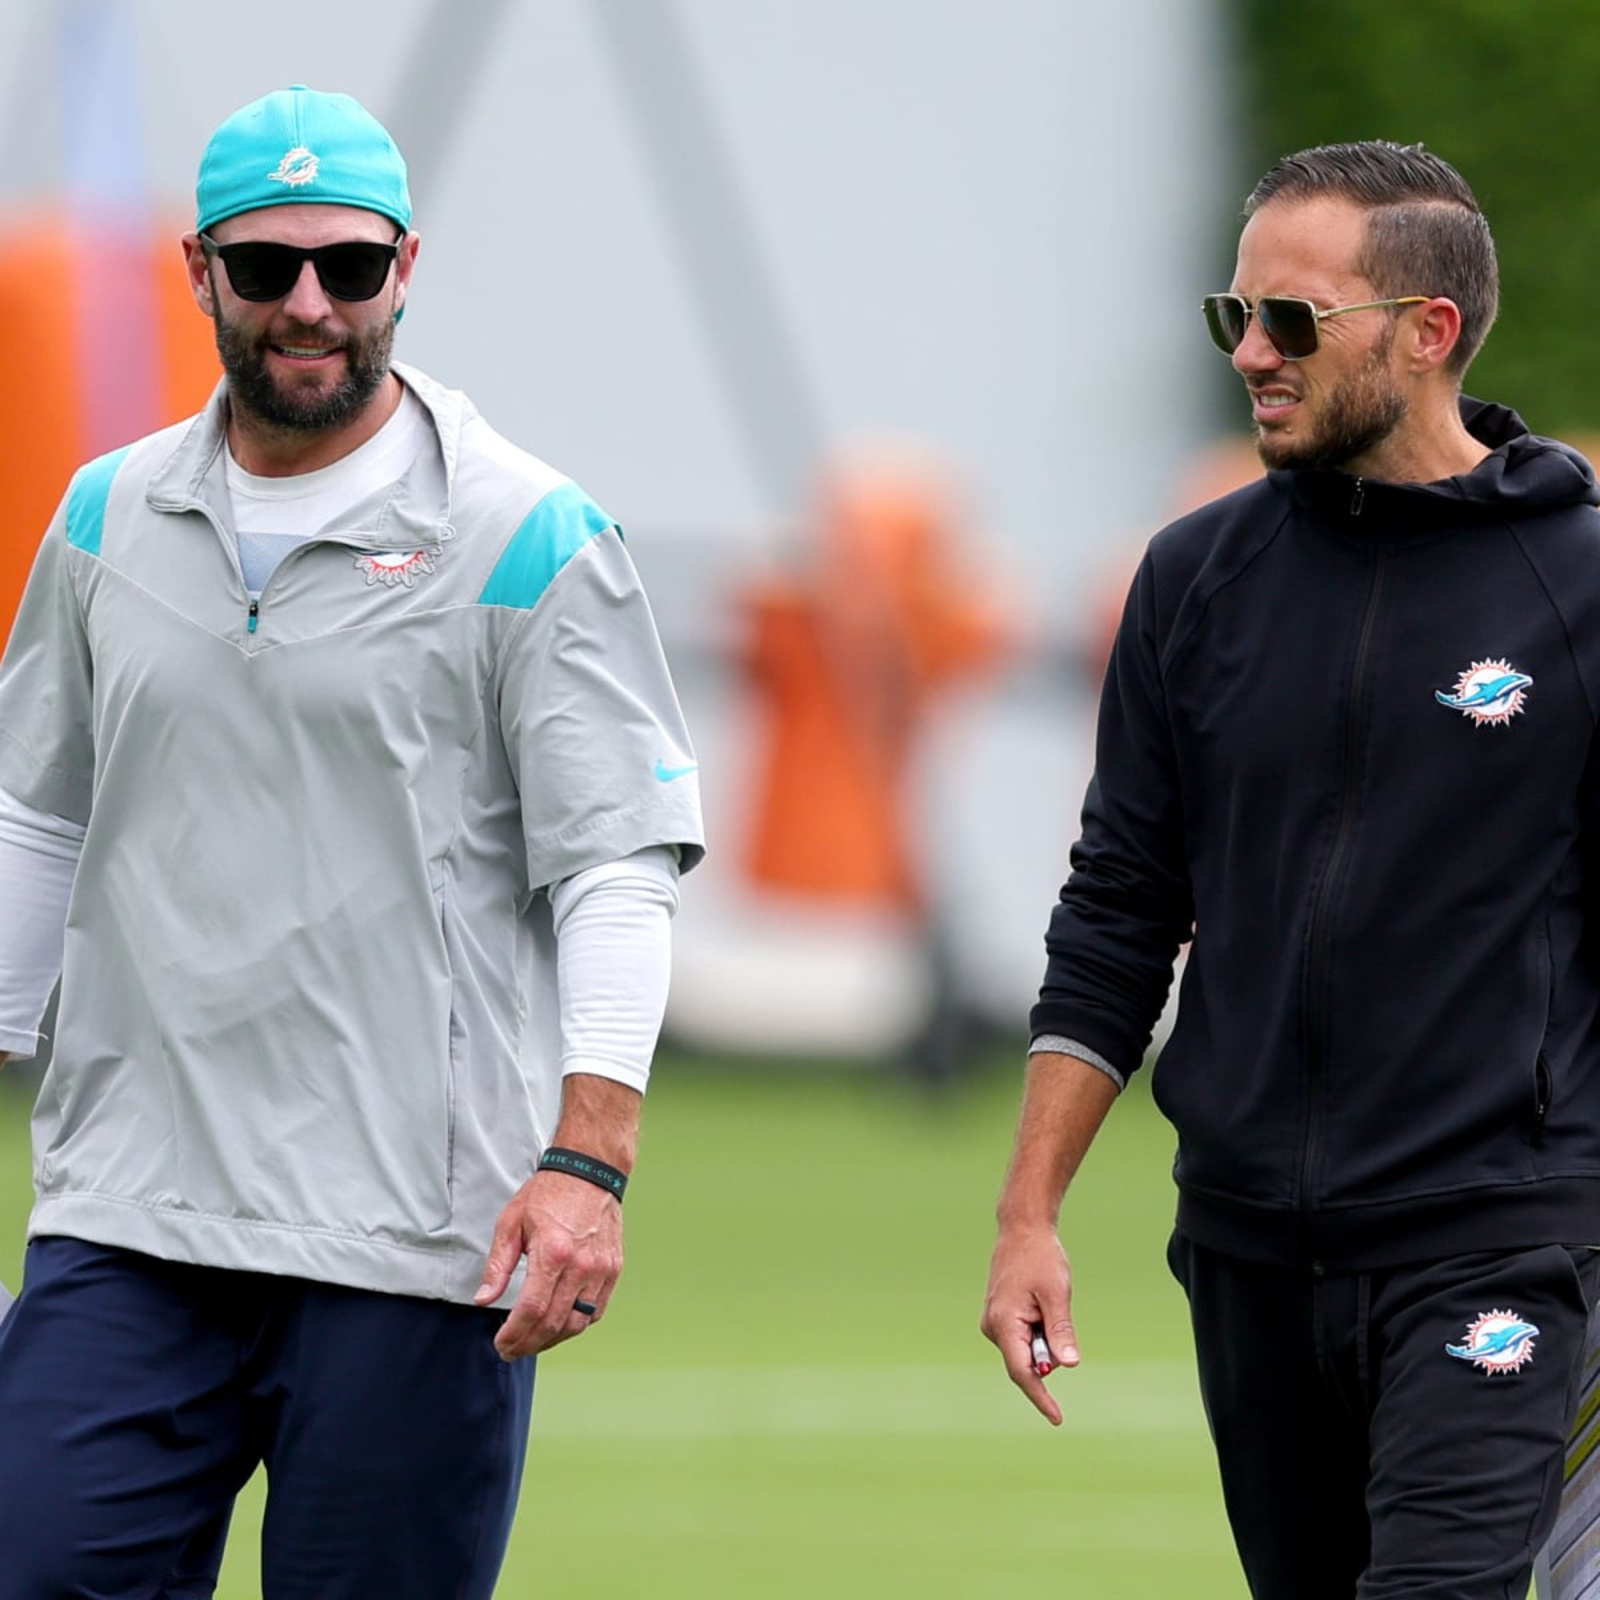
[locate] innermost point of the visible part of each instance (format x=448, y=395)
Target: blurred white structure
x=982, y=224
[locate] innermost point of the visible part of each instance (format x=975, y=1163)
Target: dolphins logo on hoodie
x=1497, y=1341
x=1490, y=693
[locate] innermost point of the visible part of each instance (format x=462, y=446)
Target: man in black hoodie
x=1347, y=746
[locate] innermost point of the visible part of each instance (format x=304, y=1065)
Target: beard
x=1358, y=413
x=252, y=388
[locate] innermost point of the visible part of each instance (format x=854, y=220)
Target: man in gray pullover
x=343, y=783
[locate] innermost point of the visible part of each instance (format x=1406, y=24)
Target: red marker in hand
x=1043, y=1362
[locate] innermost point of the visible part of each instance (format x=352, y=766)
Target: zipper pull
x=255, y=612
x=1358, y=498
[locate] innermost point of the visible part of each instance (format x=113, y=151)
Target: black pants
x=1391, y=1433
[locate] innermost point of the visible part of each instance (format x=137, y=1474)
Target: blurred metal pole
x=771, y=391
x=726, y=272
x=31, y=112
x=447, y=55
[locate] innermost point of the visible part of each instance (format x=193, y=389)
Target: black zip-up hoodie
x=1348, y=740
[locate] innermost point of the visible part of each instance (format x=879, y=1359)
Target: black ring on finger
x=585, y=1308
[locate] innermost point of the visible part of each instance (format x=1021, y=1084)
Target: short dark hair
x=1425, y=232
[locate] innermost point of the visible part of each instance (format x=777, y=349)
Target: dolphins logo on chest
x=1488, y=693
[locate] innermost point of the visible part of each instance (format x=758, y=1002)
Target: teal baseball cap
x=296, y=145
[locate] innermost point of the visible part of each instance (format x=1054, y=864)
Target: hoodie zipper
x=1318, y=932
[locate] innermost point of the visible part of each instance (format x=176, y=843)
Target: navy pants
x=137, y=1396
x=1392, y=1433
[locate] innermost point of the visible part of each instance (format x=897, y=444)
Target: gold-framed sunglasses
x=1289, y=323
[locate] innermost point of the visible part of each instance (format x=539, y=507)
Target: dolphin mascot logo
x=299, y=166
x=1488, y=692
x=1497, y=1341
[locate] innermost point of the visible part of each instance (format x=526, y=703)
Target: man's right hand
x=1030, y=1283
x=1030, y=1288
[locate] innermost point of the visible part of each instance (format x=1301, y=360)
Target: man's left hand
x=571, y=1233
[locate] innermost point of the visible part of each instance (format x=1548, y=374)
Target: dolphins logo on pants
x=1497, y=1341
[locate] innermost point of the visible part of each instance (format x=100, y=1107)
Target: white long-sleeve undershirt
x=38, y=861
x=614, y=962
x=612, y=923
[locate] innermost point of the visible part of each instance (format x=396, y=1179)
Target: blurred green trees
x=1507, y=92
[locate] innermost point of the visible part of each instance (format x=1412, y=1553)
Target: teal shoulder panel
x=562, y=523
x=86, y=500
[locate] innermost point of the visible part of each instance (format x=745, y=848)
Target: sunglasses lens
x=354, y=271
x=1226, y=318
x=1291, y=325
x=261, y=271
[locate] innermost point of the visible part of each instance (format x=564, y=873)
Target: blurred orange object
x=64, y=407
x=846, y=659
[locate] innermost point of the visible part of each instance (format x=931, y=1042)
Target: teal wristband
x=577, y=1165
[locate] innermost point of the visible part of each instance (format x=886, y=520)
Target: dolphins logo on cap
x=299, y=166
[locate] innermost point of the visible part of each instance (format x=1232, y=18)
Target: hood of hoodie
x=1523, y=475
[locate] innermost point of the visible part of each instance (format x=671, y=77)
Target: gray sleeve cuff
x=1055, y=1044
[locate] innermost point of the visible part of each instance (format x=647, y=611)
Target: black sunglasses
x=1290, y=324
x=355, y=269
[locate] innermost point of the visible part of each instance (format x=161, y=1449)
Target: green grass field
x=790, y=1396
